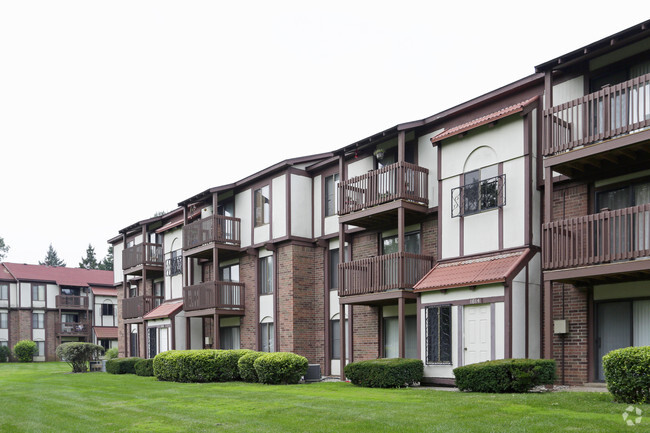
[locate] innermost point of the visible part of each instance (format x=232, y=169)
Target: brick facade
x=248, y=325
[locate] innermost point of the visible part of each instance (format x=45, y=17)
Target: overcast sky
x=111, y=111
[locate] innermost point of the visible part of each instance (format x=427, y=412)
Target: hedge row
x=121, y=365
x=144, y=367
x=627, y=373
x=228, y=365
x=505, y=375
x=385, y=373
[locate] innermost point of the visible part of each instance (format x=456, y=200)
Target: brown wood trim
x=591, y=337
x=500, y=212
x=486, y=300
x=326, y=310
x=351, y=333
x=528, y=180
x=440, y=207
x=548, y=319
x=527, y=306
x=507, y=321
x=287, y=185
x=276, y=315
x=461, y=222
x=418, y=320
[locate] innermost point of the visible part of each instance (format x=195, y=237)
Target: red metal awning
x=493, y=268
x=104, y=291
x=106, y=332
x=164, y=310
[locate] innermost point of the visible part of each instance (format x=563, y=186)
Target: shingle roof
x=109, y=332
x=104, y=291
x=488, y=118
x=164, y=310
x=493, y=268
x=61, y=276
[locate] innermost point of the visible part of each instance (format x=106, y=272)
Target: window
x=391, y=337
x=266, y=329
x=482, y=190
x=438, y=338
x=229, y=338
x=4, y=292
x=331, y=194
x=133, y=341
x=107, y=309
x=106, y=344
x=4, y=343
x=158, y=293
x=266, y=275
x=4, y=321
x=262, y=206
x=38, y=292
x=40, y=345
x=174, y=263
x=390, y=244
x=335, y=339
x=38, y=320
x=334, y=267
x=133, y=291
x=71, y=291
x=229, y=273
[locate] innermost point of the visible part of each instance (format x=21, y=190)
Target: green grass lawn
x=45, y=397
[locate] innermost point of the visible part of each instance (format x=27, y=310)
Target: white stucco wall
x=25, y=295
x=300, y=206
x=534, y=307
x=568, y=90
x=514, y=212
x=463, y=293
x=428, y=158
x=448, y=243
x=196, y=331
x=360, y=166
x=118, y=274
x=179, y=328
x=318, y=207
x=266, y=307
x=499, y=330
x=519, y=316
x=244, y=212
x=481, y=232
x=13, y=295
x=278, y=211
x=52, y=291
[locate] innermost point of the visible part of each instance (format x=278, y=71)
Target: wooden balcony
x=80, y=329
x=144, y=254
x=382, y=273
x=222, y=230
x=138, y=306
x=603, y=238
x=587, y=125
x=70, y=302
x=220, y=295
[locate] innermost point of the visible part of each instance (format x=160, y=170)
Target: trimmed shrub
x=198, y=365
x=246, y=368
x=77, y=354
x=144, y=367
x=627, y=373
x=385, y=373
x=280, y=368
x=505, y=375
x=25, y=350
x=121, y=365
x=111, y=353
x=5, y=353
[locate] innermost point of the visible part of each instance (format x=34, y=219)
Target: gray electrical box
x=560, y=326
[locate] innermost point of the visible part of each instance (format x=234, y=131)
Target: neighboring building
x=432, y=239
x=596, y=232
x=55, y=305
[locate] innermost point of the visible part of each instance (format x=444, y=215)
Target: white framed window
x=40, y=345
x=331, y=194
x=38, y=292
x=266, y=275
x=438, y=334
x=4, y=292
x=266, y=331
x=38, y=320
x=262, y=198
x=4, y=320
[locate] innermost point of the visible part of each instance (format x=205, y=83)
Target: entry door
x=153, y=350
x=477, y=338
x=163, y=340
x=614, y=330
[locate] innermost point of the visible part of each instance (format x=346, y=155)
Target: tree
x=3, y=249
x=107, y=263
x=90, y=261
x=52, y=259
x=78, y=354
x=159, y=213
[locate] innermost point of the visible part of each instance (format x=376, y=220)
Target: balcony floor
x=615, y=272
x=385, y=215
x=383, y=298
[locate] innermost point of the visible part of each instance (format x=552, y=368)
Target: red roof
x=61, y=276
x=5, y=275
x=103, y=291
x=494, y=268
x=488, y=118
x=106, y=332
x=171, y=224
x=164, y=310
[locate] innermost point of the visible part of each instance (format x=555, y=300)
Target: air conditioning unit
x=313, y=373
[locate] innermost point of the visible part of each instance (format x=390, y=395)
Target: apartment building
x=512, y=225
x=596, y=231
x=55, y=305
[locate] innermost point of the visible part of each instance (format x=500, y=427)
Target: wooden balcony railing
x=72, y=328
x=604, y=237
x=222, y=295
x=221, y=229
x=612, y=111
x=382, y=273
x=138, y=306
x=142, y=254
x=72, y=302
x=401, y=180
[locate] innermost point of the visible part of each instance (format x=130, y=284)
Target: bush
x=111, y=353
x=78, y=354
x=121, y=365
x=5, y=352
x=144, y=367
x=505, y=375
x=280, y=368
x=385, y=373
x=25, y=350
x=627, y=373
x=246, y=368
x=198, y=365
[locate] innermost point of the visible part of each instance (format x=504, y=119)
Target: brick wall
x=573, y=306
x=430, y=237
x=365, y=330
x=122, y=341
x=248, y=327
x=570, y=200
x=51, y=342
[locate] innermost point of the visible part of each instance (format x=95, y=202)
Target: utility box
x=313, y=373
x=560, y=326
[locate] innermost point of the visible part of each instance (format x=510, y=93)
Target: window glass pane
x=411, y=337
x=391, y=337
x=266, y=275
x=489, y=192
x=335, y=333
x=262, y=206
x=267, y=337
x=412, y=243
x=389, y=245
x=438, y=338
x=4, y=291
x=334, y=269
x=470, y=192
x=41, y=348
x=3, y=320
x=331, y=191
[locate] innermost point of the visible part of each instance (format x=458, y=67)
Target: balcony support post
x=400, y=322
x=188, y=333
x=342, y=331
x=400, y=246
x=215, y=331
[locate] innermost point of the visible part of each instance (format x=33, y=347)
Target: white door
x=164, y=347
x=477, y=338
